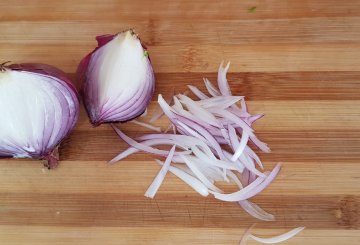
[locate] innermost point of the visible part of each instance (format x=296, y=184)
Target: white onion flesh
x=205, y=127
x=39, y=107
x=118, y=79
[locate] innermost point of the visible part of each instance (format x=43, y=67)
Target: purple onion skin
x=81, y=76
x=51, y=156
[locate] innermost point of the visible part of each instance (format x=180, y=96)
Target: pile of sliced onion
x=39, y=107
x=212, y=142
x=118, y=79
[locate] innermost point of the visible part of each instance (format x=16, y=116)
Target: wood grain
x=295, y=61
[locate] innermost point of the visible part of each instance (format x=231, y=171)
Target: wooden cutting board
x=296, y=61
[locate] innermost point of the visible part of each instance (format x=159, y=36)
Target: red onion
x=39, y=107
x=118, y=79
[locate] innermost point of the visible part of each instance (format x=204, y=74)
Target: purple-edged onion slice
x=39, y=106
x=118, y=79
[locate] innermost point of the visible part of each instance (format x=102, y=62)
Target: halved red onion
x=118, y=79
x=39, y=107
x=207, y=128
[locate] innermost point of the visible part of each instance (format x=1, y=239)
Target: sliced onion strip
x=199, y=175
x=211, y=88
x=155, y=185
x=277, y=239
x=251, y=190
x=188, y=179
x=197, y=92
x=143, y=147
x=146, y=125
x=255, y=211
